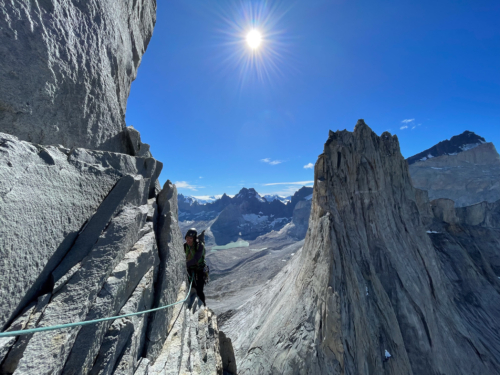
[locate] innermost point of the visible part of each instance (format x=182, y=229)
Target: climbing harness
x=87, y=322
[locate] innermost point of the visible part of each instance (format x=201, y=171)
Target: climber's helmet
x=191, y=233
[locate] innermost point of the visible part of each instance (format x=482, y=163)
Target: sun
x=254, y=38
x=254, y=41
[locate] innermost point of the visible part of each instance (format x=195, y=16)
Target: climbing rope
x=87, y=322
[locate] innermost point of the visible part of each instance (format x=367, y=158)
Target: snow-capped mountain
x=203, y=199
x=459, y=143
x=247, y=215
x=276, y=197
x=249, y=194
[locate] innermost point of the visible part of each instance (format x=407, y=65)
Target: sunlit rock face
x=370, y=293
x=86, y=232
x=67, y=67
x=55, y=199
x=84, y=236
x=467, y=176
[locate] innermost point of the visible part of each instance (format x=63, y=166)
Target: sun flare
x=254, y=38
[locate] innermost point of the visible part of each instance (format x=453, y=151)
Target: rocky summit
x=465, y=169
x=376, y=288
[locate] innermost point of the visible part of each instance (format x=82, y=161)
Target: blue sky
x=221, y=117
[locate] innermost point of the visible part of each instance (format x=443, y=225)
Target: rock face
x=67, y=67
x=466, y=177
x=370, y=293
x=92, y=245
x=86, y=232
x=48, y=194
x=300, y=219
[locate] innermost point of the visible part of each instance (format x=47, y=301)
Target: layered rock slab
x=67, y=67
x=48, y=195
x=47, y=352
x=369, y=292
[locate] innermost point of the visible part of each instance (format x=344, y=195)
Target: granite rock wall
x=372, y=292
x=67, y=67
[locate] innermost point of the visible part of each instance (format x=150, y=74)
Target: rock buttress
x=368, y=294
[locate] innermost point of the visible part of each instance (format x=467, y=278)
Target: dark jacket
x=195, y=256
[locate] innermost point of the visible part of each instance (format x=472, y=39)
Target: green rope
x=87, y=322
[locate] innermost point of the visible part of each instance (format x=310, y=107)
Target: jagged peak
x=361, y=127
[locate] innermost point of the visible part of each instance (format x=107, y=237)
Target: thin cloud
x=200, y=177
x=404, y=127
x=271, y=162
x=289, y=183
x=187, y=185
x=407, y=121
x=309, y=166
x=286, y=191
x=414, y=126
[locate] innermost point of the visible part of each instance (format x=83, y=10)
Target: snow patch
x=309, y=197
x=436, y=168
x=470, y=147
x=387, y=354
x=433, y=232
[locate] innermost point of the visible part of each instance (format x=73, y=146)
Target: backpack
x=206, y=269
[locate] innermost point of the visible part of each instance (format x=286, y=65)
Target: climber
x=195, y=261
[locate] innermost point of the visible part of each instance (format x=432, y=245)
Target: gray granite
x=67, y=67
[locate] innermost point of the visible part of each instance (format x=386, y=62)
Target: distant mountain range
x=246, y=216
x=189, y=199
x=201, y=200
x=193, y=208
x=271, y=198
